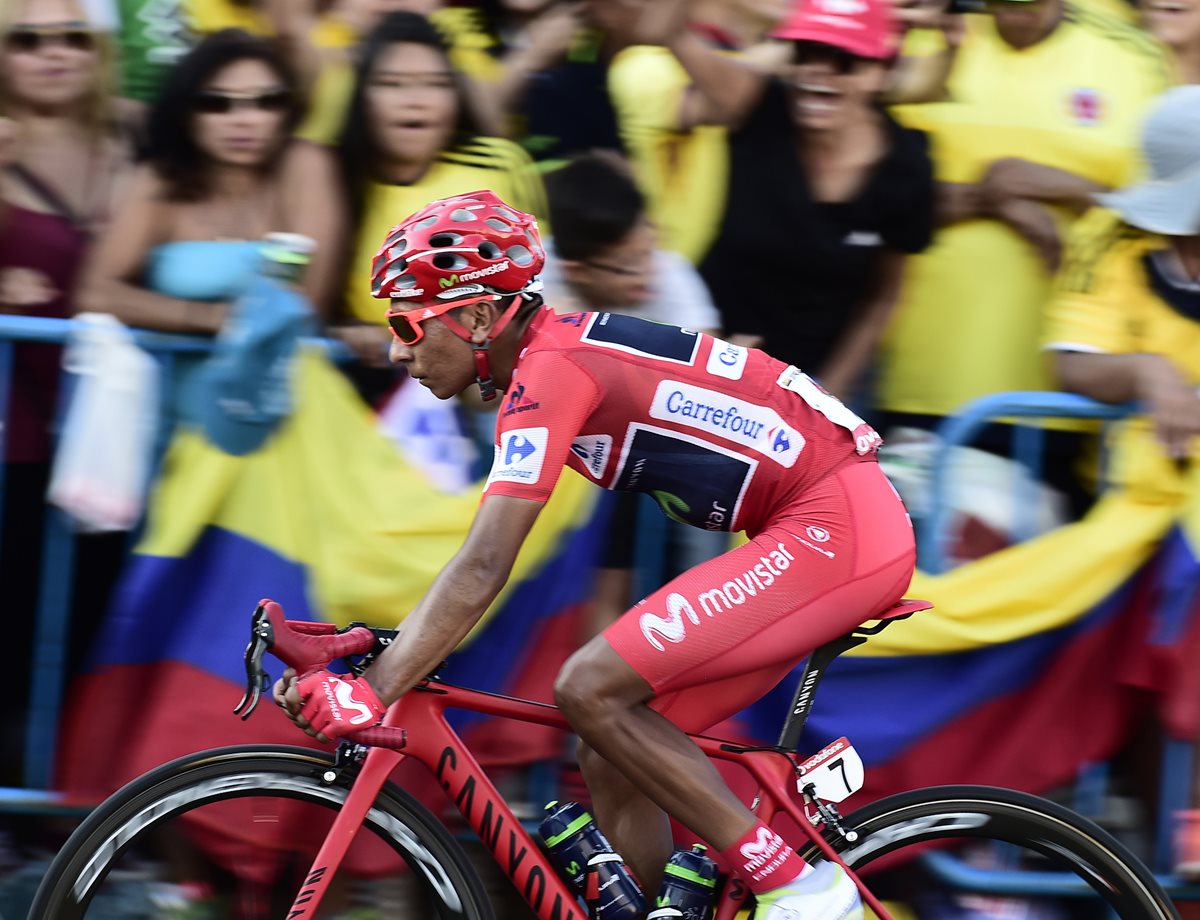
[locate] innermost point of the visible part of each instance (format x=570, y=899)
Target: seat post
x=822, y=657
x=810, y=677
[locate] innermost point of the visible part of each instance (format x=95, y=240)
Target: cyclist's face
x=440, y=360
x=412, y=103
x=49, y=54
x=620, y=275
x=239, y=114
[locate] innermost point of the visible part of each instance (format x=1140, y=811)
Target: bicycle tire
x=1068, y=839
x=217, y=775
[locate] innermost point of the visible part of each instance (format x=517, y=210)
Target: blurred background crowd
x=920, y=205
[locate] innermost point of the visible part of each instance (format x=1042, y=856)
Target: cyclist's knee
x=594, y=685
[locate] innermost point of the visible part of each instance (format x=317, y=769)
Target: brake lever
x=262, y=637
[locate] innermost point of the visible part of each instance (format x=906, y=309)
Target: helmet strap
x=483, y=372
x=504, y=319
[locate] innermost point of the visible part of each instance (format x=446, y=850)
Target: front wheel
x=250, y=819
x=1046, y=837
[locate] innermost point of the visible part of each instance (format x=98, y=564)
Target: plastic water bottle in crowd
x=588, y=860
x=285, y=256
x=688, y=887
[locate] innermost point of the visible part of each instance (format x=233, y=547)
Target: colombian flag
x=329, y=520
x=1035, y=660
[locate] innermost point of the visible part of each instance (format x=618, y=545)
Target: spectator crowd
x=918, y=204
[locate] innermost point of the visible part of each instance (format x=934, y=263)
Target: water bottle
x=285, y=256
x=588, y=860
x=689, y=886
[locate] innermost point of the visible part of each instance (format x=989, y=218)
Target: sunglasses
x=211, y=102
x=31, y=41
x=839, y=60
x=406, y=324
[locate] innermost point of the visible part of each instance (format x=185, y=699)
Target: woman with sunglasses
x=222, y=171
x=827, y=194
x=61, y=163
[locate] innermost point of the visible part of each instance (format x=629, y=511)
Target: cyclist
x=725, y=438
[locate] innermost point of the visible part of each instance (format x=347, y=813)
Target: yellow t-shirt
x=1104, y=303
x=683, y=173
x=971, y=314
x=483, y=163
x=208, y=16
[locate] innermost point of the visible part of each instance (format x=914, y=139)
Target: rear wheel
x=1062, y=850
x=249, y=820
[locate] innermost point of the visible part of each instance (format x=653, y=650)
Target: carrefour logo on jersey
x=726, y=360
x=594, y=450
x=757, y=427
x=519, y=456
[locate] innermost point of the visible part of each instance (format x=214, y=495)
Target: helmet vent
x=507, y=215
x=520, y=254
x=403, y=282
x=462, y=215
x=398, y=250
x=450, y=261
x=427, y=222
x=443, y=240
x=500, y=225
x=490, y=250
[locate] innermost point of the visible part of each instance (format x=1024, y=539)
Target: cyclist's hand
x=334, y=705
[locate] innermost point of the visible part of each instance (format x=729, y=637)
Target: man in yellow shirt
x=1043, y=108
x=1125, y=326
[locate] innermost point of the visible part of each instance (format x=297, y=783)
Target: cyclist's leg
x=825, y=566
x=638, y=828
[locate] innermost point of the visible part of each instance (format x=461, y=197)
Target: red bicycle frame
x=416, y=727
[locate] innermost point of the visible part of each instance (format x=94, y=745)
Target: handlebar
x=307, y=646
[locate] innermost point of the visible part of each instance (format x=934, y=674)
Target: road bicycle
x=352, y=788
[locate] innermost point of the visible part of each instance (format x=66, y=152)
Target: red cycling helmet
x=468, y=246
x=459, y=247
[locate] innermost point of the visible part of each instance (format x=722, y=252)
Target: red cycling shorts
x=722, y=634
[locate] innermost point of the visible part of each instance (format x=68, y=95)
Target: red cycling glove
x=336, y=705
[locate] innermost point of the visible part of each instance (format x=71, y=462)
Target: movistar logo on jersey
x=520, y=456
x=758, y=427
x=452, y=280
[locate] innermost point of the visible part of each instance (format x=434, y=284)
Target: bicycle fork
x=378, y=766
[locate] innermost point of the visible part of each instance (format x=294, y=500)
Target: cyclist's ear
x=479, y=318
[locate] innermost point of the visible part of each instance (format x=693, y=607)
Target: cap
x=862, y=27
x=1168, y=202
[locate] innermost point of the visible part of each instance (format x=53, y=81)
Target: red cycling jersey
x=722, y=436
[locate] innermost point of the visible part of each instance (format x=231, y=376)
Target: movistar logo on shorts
x=452, y=280
x=755, y=580
x=757, y=427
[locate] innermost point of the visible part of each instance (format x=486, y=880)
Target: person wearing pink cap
x=827, y=195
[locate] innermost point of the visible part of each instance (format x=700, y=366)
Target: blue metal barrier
x=933, y=534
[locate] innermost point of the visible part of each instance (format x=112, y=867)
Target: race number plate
x=836, y=772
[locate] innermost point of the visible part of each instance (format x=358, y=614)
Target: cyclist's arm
x=458, y=598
